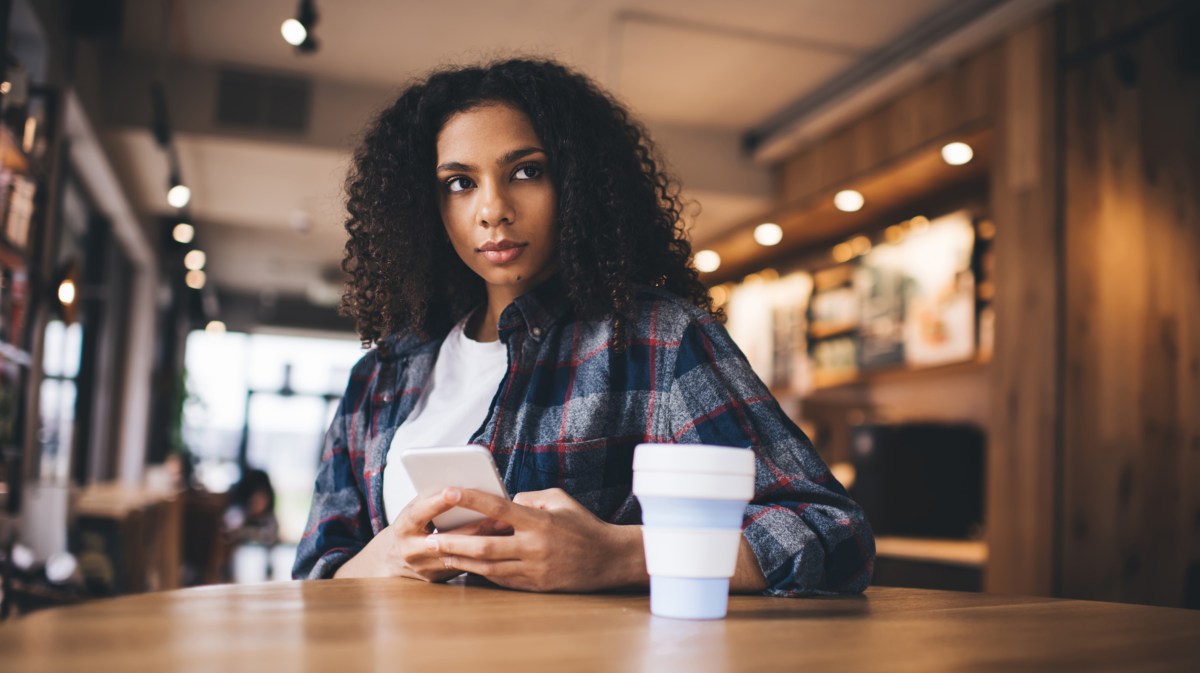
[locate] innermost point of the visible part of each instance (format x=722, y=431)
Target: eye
x=528, y=172
x=459, y=183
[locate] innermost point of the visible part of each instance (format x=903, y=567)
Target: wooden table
x=352, y=626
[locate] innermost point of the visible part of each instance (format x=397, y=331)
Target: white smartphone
x=435, y=469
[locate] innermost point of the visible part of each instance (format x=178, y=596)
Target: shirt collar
x=536, y=311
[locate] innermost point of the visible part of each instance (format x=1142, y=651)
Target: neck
x=484, y=324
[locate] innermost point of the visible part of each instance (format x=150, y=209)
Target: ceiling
x=267, y=207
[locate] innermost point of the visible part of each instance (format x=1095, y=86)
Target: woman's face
x=496, y=198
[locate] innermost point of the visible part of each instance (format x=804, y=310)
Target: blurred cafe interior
x=958, y=239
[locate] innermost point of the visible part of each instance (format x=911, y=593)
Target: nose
x=495, y=208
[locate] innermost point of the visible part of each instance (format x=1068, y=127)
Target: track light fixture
x=298, y=31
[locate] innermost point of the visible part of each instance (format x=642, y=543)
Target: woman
x=517, y=261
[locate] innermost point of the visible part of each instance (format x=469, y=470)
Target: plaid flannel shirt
x=568, y=414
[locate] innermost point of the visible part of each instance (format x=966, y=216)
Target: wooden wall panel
x=963, y=97
x=1132, y=413
x=1024, y=443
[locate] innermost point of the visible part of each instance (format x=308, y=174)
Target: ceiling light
x=183, y=233
x=861, y=245
x=195, y=279
x=294, y=32
x=768, y=234
x=194, y=260
x=848, y=201
x=707, y=261
x=66, y=292
x=215, y=327
x=298, y=31
x=957, y=154
x=179, y=195
x=842, y=252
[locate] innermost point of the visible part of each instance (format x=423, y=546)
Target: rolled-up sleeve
x=809, y=536
x=338, y=523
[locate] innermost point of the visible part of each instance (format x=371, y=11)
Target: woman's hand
x=400, y=549
x=555, y=545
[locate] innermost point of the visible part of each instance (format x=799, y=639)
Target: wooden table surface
x=399, y=625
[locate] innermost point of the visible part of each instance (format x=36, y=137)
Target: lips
x=502, y=252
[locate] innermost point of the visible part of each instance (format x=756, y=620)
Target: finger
x=476, y=547
x=551, y=498
x=418, y=515
x=493, y=506
x=482, y=527
x=496, y=571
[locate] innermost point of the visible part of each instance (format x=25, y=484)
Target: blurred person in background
x=250, y=517
x=519, y=267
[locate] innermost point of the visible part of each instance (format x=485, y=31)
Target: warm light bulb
x=848, y=201
x=708, y=261
x=294, y=32
x=183, y=233
x=957, y=154
x=215, y=327
x=195, y=279
x=768, y=234
x=860, y=245
x=66, y=292
x=195, y=260
x=842, y=252
x=178, y=196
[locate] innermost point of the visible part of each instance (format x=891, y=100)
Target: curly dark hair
x=619, y=213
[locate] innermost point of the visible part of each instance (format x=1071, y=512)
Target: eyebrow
x=508, y=158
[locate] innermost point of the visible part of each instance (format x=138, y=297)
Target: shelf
x=968, y=553
x=835, y=378
x=900, y=373
x=820, y=331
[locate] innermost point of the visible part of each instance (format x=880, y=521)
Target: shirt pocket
x=596, y=472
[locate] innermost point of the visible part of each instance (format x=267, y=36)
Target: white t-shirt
x=453, y=405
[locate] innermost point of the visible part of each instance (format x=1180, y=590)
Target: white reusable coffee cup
x=693, y=498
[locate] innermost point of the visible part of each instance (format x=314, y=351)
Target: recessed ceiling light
x=768, y=234
x=957, y=154
x=707, y=261
x=848, y=201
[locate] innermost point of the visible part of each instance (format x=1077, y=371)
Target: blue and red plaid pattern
x=568, y=414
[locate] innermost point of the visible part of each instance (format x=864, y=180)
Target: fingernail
x=452, y=495
x=431, y=543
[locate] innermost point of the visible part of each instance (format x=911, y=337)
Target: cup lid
x=703, y=458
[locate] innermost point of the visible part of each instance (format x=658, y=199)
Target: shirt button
x=537, y=332
x=387, y=397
